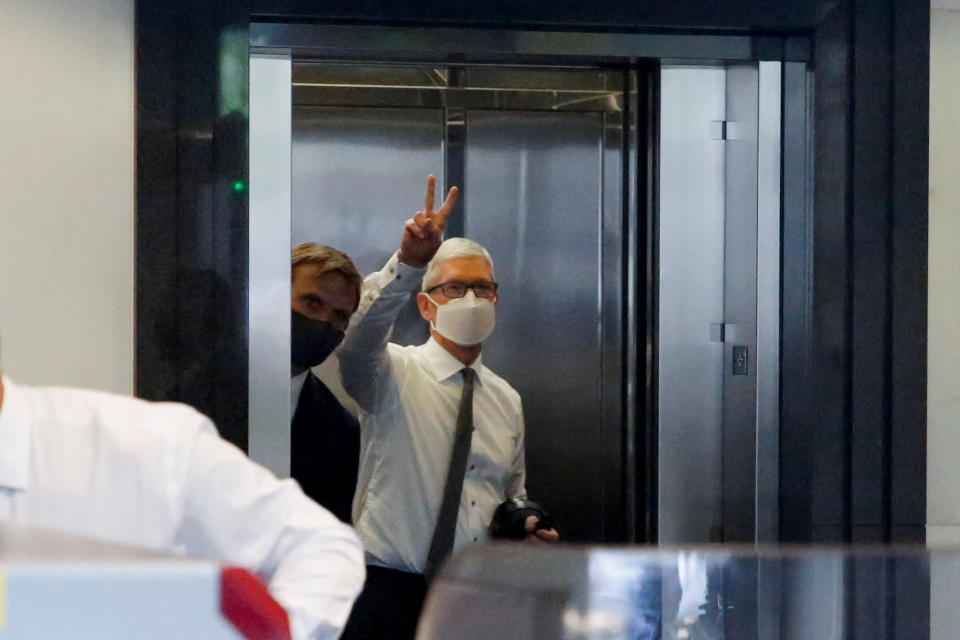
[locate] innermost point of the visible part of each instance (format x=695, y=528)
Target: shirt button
x=472, y=467
x=473, y=503
x=476, y=539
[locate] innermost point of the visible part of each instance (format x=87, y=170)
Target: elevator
x=538, y=154
x=718, y=337
x=632, y=209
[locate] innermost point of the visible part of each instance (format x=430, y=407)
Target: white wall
x=943, y=390
x=943, y=352
x=66, y=192
x=943, y=394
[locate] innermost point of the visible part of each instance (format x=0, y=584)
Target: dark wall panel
x=908, y=278
x=613, y=14
x=864, y=435
x=796, y=446
x=829, y=381
x=191, y=226
x=870, y=264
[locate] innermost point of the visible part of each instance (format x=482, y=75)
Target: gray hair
x=453, y=248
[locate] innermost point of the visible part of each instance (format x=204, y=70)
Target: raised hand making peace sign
x=423, y=233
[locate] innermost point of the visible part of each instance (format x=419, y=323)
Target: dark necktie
x=446, y=530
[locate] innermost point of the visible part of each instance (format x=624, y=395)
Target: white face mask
x=466, y=321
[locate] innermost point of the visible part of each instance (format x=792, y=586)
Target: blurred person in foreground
x=157, y=476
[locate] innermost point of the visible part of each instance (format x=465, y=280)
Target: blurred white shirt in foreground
x=157, y=475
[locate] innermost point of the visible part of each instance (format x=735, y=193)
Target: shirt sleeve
x=237, y=512
x=516, y=485
x=364, y=364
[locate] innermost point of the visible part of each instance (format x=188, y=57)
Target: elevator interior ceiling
x=474, y=87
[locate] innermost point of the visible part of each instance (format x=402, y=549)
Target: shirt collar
x=443, y=365
x=14, y=437
x=296, y=382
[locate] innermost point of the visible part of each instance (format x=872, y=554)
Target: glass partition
x=704, y=593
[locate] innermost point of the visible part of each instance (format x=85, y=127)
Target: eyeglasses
x=481, y=289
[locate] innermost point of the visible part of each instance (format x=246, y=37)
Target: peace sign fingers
x=429, y=199
x=439, y=217
x=423, y=233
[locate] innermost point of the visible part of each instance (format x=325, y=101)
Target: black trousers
x=388, y=607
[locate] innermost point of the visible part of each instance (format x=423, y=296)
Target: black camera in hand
x=511, y=516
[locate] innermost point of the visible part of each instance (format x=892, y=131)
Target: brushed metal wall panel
x=535, y=181
x=691, y=245
x=358, y=174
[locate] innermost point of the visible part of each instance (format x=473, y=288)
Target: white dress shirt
x=157, y=475
x=409, y=398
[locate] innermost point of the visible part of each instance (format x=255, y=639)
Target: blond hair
x=328, y=260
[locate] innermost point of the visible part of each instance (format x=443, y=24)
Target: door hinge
x=718, y=332
x=724, y=130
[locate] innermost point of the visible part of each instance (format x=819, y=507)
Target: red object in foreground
x=247, y=604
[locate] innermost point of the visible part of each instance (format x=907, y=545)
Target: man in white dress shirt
x=157, y=475
x=410, y=400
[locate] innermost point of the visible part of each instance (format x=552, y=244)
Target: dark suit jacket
x=325, y=448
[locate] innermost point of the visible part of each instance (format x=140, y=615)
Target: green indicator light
x=239, y=185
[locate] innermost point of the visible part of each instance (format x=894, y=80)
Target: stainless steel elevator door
x=534, y=183
x=691, y=243
x=719, y=252
x=358, y=174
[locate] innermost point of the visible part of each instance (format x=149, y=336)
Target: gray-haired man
x=413, y=401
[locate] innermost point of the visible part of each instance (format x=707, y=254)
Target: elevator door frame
x=633, y=492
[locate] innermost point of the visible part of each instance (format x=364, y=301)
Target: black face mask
x=311, y=341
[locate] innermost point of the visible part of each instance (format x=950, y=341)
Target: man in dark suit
x=324, y=437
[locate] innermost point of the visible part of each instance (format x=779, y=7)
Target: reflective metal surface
x=691, y=254
x=455, y=155
x=269, y=377
x=456, y=87
x=740, y=305
x=768, y=301
x=618, y=220
x=796, y=275
x=720, y=303
x=477, y=78
x=637, y=358
x=596, y=593
x=541, y=188
x=536, y=184
x=358, y=174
